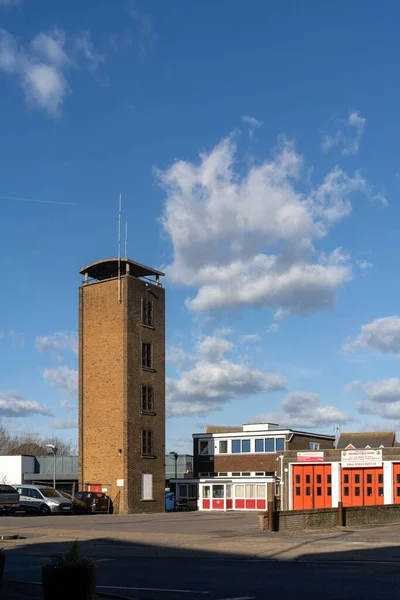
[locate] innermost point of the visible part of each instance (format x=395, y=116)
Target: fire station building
x=241, y=468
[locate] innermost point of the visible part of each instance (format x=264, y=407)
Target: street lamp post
x=51, y=449
x=175, y=455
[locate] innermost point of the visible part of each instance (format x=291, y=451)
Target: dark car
x=78, y=504
x=97, y=501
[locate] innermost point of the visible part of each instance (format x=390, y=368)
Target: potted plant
x=69, y=576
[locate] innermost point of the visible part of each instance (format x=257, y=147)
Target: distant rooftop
x=373, y=439
x=108, y=268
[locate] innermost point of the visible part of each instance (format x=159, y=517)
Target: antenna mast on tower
x=119, y=248
x=126, y=239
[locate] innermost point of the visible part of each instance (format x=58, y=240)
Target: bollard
x=271, y=515
x=340, y=517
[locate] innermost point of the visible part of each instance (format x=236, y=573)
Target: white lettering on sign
x=104, y=490
x=310, y=457
x=120, y=483
x=361, y=458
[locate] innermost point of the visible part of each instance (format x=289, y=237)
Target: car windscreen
x=50, y=493
x=7, y=489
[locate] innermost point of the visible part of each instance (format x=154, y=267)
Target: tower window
x=147, y=398
x=147, y=312
x=147, y=355
x=147, y=442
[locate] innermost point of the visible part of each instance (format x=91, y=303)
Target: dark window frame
x=147, y=399
x=147, y=355
x=147, y=312
x=147, y=442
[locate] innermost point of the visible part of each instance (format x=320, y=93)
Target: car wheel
x=44, y=510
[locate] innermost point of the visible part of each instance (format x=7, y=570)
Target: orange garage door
x=362, y=487
x=312, y=486
x=396, y=483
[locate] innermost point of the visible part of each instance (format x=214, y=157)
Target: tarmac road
x=229, y=579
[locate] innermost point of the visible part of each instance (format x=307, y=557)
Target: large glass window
x=259, y=445
x=203, y=447
x=147, y=355
x=147, y=442
x=206, y=491
x=147, y=398
x=250, y=490
x=245, y=445
x=270, y=445
x=260, y=491
x=229, y=491
x=280, y=444
x=239, y=491
x=236, y=446
x=218, y=491
x=147, y=312
x=223, y=447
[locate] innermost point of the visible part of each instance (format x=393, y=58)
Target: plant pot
x=69, y=583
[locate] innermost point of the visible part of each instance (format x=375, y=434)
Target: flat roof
x=108, y=268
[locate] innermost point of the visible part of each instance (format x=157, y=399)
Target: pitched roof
x=374, y=439
x=223, y=429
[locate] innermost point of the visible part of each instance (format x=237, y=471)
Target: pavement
x=212, y=556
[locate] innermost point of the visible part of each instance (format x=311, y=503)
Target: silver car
x=42, y=499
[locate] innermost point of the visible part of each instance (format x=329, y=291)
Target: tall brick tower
x=122, y=384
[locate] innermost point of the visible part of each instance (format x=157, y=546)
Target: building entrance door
x=312, y=486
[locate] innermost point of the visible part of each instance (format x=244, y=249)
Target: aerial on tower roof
x=108, y=268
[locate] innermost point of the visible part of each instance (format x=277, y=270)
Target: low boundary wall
x=328, y=518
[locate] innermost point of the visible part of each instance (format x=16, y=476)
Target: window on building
x=280, y=444
x=319, y=491
x=147, y=442
x=236, y=446
x=357, y=478
x=206, y=491
x=398, y=491
x=308, y=491
x=239, y=491
x=223, y=446
x=250, y=490
x=319, y=478
x=246, y=474
x=203, y=448
x=236, y=474
x=269, y=444
x=313, y=446
x=297, y=478
x=260, y=491
x=188, y=492
x=229, y=491
x=380, y=478
x=346, y=491
x=346, y=478
x=147, y=312
x=369, y=478
x=204, y=474
x=297, y=491
x=245, y=445
x=329, y=491
x=259, y=473
x=147, y=486
x=218, y=491
x=356, y=491
x=329, y=478
x=223, y=474
x=147, y=398
x=369, y=491
x=147, y=355
x=380, y=491
x=397, y=478
x=259, y=446
x=308, y=478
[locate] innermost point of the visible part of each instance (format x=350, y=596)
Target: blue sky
x=256, y=150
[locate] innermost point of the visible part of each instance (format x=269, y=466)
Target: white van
x=42, y=499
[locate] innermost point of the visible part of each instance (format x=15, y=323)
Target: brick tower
x=122, y=384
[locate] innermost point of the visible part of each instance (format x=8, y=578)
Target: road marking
x=142, y=589
x=103, y=560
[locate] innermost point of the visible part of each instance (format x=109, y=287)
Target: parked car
x=9, y=498
x=78, y=505
x=97, y=501
x=42, y=499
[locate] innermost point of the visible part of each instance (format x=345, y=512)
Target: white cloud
x=382, y=397
x=67, y=405
x=381, y=334
x=178, y=356
x=209, y=385
x=214, y=348
x=273, y=328
x=12, y=404
x=40, y=66
x=253, y=124
x=348, y=134
x=63, y=424
x=60, y=340
x=364, y=265
x=304, y=410
x=246, y=237
x=64, y=378
x=250, y=337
